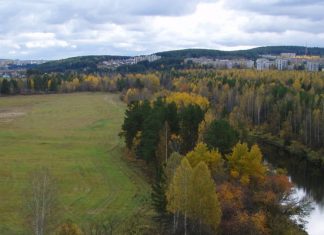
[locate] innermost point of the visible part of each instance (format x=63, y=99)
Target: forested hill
x=170, y=59
x=250, y=53
x=80, y=63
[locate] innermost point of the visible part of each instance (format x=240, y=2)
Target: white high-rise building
x=149, y=58
x=281, y=64
x=263, y=64
x=312, y=66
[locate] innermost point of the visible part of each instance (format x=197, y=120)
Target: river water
x=308, y=180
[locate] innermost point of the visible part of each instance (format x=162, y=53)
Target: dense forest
x=207, y=182
x=197, y=130
x=285, y=104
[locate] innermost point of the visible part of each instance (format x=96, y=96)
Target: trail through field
x=76, y=137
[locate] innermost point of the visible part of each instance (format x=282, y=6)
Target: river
x=308, y=180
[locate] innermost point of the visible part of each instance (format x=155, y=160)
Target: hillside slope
x=170, y=59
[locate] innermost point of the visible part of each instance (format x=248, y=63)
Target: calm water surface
x=308, y=180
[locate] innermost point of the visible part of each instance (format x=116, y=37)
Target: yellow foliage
x=69, y=229
x=151, y=81
x=49, y=84
x=209, y=117
x=178, y=190
x=259, y=220
x=247, y=164
x=184, y=99
x=231, y=196
x=235, y=174
x=92, y=81
x=245, y=180
x=297, y=85
x=192, y=193
x=75, y=82
x=132, y=94
x=204, y=204
x=213, y=158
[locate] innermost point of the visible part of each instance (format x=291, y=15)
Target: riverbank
x=294, y=148
x=304, y=174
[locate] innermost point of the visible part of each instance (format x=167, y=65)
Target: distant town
x=113, y=64
x=284, y=61
x=18, y=68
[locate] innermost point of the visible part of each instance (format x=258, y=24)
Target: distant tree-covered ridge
x=170, y=59
x=249, y=53
x=80, y=63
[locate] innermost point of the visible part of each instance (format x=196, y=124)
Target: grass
x=76, y=137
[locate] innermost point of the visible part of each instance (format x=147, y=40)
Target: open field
x=76, y=136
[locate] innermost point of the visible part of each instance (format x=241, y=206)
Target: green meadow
x=76, y=137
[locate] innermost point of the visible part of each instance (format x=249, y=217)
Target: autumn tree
x=204, y=204
x=75, y=84
x=132, y=95
x=69, y=228
x=183, y=99
x=246, y=165
x=41, y=202
x=212, y=158
x=178, y=194
x=91, y=82
x=192, y=193
x=159, y=187
x=172, y=165
x=204, y=125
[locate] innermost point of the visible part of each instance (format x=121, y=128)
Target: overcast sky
x=52, y=29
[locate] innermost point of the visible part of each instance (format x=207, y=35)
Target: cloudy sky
x=52, y=29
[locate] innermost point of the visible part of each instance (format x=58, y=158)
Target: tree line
x=284, y=104
x=287, y=105
x=73, y=82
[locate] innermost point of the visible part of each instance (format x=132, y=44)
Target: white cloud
x=46, y=44
x=41, y=40
x=58, y=29
x=9, y=44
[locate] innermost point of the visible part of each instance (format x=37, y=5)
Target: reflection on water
x=315, y=220
x=309, y=181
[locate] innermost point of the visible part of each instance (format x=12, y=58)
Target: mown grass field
x=76, y=137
